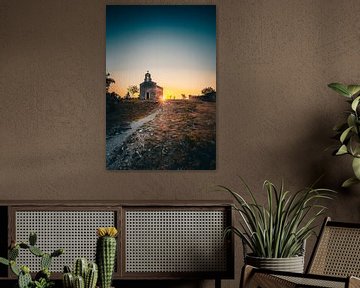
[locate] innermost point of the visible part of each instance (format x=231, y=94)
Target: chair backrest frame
x=336, y=252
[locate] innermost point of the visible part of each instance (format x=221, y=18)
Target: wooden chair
x=334, y=263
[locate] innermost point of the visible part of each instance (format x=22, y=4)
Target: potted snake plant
x=274, y=234
x=348, y=132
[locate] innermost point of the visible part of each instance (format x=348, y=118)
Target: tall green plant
x=279, y=229
x=348, y=132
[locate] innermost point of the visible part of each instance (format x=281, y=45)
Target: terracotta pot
x=291, y=264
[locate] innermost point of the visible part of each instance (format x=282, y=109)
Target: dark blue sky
x=176, y=43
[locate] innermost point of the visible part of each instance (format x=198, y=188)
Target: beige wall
x=274, y=115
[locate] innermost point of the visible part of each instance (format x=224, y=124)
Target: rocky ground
x=182, y=136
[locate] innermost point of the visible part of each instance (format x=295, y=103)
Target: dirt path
x=116, y=141
x=181, y=136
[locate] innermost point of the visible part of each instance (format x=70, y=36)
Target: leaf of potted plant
x=276, y=233
x=349, y=132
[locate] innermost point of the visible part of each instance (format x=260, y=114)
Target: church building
x=149, y=90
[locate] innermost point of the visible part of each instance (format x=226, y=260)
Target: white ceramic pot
x=291, y=264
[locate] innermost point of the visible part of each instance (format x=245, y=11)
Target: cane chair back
x=337, y=252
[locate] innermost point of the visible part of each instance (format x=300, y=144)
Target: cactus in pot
x=106, y=254
x=85, y=275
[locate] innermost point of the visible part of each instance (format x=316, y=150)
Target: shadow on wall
x=310, y=159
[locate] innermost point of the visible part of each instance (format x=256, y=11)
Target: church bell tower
x=147, y=77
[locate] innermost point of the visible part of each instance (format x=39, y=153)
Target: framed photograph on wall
x=161, y=87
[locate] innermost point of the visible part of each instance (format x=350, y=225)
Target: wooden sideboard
x=157, y=240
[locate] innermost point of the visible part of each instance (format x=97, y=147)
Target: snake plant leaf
x=353, y=89
x=345, y=134
x=355, y=103
x=349, y=182
x=356, y=167
x=278, y=228
x=340, y=88
x=342, y=150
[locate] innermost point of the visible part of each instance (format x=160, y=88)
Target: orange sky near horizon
x=174, y=82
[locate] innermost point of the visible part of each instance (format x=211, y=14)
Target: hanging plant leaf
x=353, y=89
x=355, y=103
x=354, y=145
x=349, y=182
x=345, y=134
x=340, y=88
x=351, y=120
x=342, y=150
x=356, y=167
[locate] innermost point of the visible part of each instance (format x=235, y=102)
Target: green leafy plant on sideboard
x=42, y=278
x=348, y=133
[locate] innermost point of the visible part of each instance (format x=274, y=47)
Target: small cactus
x=91, y=276
x=89, y=272
x=13, y=253
x=14, y=268
x=68, y=280
x=45, y=261
x=36, y=251
x=79, y=282
x=24, y=245
x=80, y=268
x=57, y=252
x=24, y=277
x=32, y=238
x=106, y=254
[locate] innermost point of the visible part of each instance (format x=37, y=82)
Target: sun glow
x=168, y=94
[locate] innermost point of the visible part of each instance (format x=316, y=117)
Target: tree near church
x=208, y=90
x=132, y=89
x=109, y=81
